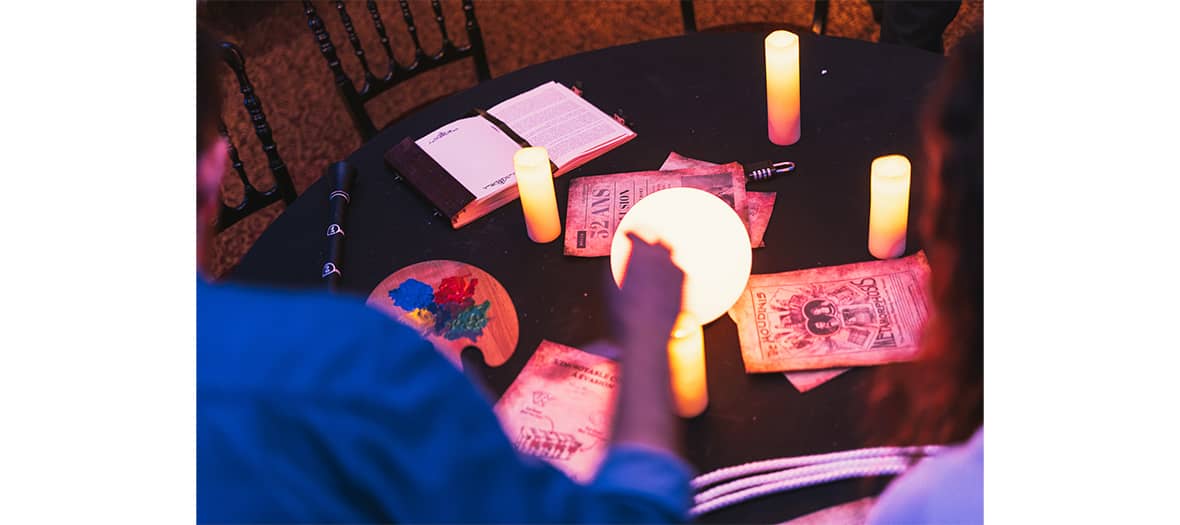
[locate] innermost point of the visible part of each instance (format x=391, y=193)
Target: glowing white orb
x=708, y=241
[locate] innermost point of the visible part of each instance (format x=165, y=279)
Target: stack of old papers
x=597, y=203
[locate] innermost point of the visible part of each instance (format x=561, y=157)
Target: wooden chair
x=252, y=199
x=355, y=98
x=819, y=20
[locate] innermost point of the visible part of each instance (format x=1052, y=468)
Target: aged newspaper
x=597, y=203
x=760, y=204
x=852, y=315
x=560, y=408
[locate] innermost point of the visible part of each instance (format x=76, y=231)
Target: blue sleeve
x=386, y=429
x=450, y=461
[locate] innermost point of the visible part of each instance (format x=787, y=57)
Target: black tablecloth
x=703, y=96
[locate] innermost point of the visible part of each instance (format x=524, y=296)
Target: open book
x=465, y=167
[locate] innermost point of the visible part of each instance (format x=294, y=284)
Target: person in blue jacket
x=313, y=408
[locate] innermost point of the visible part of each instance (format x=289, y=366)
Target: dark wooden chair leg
x=688, y=14
x=819, y=18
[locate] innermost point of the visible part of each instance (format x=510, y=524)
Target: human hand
x=644, y=310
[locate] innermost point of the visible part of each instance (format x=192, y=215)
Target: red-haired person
x=941, y=395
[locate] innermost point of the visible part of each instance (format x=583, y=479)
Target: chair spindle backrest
x=819, y=17
x=355, y=98
x=252, y=199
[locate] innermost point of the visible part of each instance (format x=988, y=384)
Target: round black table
x=703, y=96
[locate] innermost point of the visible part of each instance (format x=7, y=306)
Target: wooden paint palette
x=454, y=305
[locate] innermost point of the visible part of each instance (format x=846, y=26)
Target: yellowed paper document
x=560, y=408
x=597, y=203
x=852, y=315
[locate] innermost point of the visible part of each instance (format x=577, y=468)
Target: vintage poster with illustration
x=560, y=408
x=852, y=315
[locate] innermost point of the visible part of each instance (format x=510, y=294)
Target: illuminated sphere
x=708, y=241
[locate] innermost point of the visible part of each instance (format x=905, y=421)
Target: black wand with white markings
x=340, y=175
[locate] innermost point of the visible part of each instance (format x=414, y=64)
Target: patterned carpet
x=312, y=128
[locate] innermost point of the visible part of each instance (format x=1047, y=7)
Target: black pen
x=340, y=176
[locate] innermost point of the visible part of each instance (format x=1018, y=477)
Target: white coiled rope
x=756, y=467
x=762, y=478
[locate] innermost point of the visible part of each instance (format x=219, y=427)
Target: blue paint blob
x=412, y=295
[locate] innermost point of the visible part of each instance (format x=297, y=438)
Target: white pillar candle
x=889, y=205
x=535, y=181
x=782, y=87
x=686, y=363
